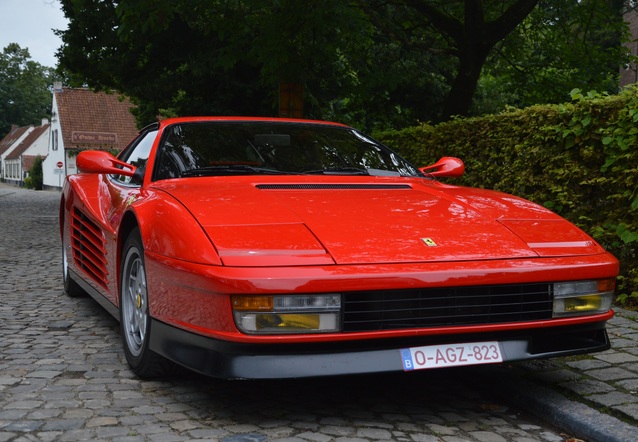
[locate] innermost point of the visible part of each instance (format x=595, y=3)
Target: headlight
x=287, y=313
x=583, y=297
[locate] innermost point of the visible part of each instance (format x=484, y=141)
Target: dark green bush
x=579, y=159
x=35, y=178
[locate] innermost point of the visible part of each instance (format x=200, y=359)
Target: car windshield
x=249, y=148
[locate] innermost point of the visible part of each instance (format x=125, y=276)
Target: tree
x=25, y=97
x=213, y=57
x=467, y=30
x=468, y=57
x=372, y=63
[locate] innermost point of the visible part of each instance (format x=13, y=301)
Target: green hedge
x=579, y=159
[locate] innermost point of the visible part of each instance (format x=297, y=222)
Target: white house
x=84, y=120
x=10, y=142
x=19, y=160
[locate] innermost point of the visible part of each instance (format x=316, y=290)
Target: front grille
x=438, y=307
x=89, y=247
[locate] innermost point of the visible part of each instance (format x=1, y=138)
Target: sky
x=29, y=23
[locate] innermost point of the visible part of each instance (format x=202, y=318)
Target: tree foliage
x=25, y=97
x=560, y=46
x=210, y=57
x=372, y=63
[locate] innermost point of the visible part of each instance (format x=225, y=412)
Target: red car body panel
x=180, y=299
x=207, y=238
x=458, y=225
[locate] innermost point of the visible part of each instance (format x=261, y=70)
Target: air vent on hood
x=333, y=186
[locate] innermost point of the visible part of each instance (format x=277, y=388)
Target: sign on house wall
x=80, y=137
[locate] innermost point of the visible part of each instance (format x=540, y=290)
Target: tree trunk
x=474, y=38
x=461, y=94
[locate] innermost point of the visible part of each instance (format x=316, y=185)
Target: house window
x=54, y=140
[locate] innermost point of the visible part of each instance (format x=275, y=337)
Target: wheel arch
x=61, y=217
x=129, y=222
x=66, y=201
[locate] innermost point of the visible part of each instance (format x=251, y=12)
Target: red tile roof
x=85, y=111
x=27, y=142
x=13, y=136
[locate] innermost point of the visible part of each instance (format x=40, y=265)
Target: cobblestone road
x=63, y=376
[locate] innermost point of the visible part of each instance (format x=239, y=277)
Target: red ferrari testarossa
x=274, y=248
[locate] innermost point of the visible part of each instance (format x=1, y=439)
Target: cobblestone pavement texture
x=63, y=377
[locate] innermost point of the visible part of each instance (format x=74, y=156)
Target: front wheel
x=135, y=320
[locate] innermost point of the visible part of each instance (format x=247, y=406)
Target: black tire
x=71, y=288
x=135, y=319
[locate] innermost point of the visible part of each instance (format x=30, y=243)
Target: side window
x=137, y=155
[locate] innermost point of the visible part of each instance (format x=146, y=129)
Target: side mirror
x=99, y=161
x=445, y=167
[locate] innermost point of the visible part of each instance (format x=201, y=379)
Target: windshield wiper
x=231, y=169
x=337, y=171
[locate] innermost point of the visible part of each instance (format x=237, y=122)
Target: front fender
x=168, y=229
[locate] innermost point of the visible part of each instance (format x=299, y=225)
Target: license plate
x=451, y=355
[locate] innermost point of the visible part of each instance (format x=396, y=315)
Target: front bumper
x=230, y=360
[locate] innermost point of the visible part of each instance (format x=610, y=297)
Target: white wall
x=53, y=176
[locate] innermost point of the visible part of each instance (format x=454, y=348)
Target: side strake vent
x=333, y=186
x=88, y=245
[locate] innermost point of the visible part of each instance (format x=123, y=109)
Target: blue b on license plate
x=451, y=355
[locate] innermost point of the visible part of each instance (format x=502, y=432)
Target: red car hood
x=364, y=221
